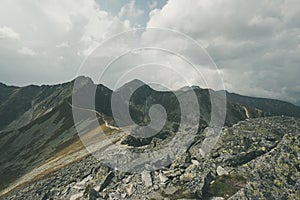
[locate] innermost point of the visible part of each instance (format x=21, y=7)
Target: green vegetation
x=179, y=194
x=226, y=185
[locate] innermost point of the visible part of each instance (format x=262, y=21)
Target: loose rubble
x=255, y=159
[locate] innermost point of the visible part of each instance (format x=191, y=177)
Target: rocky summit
x=254, y=159
x=43, y=155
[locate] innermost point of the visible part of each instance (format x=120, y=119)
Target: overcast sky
x=255, y=44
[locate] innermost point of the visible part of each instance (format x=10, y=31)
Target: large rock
x=129, y=189
x=162, y=178
x=147, y=179
x=221, y=171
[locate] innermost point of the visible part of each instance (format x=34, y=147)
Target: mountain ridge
x=138, y=80
x=41, y=93
x=41, y=117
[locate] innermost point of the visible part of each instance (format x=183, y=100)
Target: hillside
x=38, y=134
x=254, y=159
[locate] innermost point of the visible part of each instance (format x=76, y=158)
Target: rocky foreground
x=254, y=159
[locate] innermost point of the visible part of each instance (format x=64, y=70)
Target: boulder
x=146, y=178
x=221, y=171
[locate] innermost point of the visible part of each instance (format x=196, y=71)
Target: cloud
x=62, y=45
x=58, y=29
x=8, y=33
x=254, y=43
x=130, y=11
x=27, y=51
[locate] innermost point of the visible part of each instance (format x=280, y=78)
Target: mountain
x=270, y=106
x=20, y=105
x=38, y=136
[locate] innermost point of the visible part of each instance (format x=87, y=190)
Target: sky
x=254, y=44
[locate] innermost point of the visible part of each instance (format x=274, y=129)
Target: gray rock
x=127, y=180
x=162, y=178
x=81, y=185
x=93, y=194
x=217, y=198
x=195, y=162
x=146, y=178
x=221, y=171
x=76, y=196
x=129, y=189
x=172, y=173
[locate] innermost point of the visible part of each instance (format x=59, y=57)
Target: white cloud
x=255, y=43
x=154, y=12
x=56, y=28
x=130, y=11
x=62, y=45
x=259, y=36
x=27, y=51
x=8, y=33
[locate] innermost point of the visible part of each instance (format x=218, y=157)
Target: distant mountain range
x=36, y=122
x=22, y=105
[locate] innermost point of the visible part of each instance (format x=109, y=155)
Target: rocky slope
x=38, y=135
x=271, y=106
x=254, y=159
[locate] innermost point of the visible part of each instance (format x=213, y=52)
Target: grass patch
x=179, y=194
x=226, y=185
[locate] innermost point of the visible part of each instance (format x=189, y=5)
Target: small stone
x=81, y=185
x=129, y=189
x=76, y=196
x=93, y=194
x=147, y=179
x=114, y=196
x=195, y=162
x=97, y=188
x=172, y=173
x=215, y=154
x=163, y=178
x=202, y=152
x=127, y=180
x=170, y=190
x=221, y=171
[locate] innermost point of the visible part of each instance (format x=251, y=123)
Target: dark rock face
x=254, y=159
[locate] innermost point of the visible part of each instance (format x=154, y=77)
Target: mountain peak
x=133, y=84
x=84, y=79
